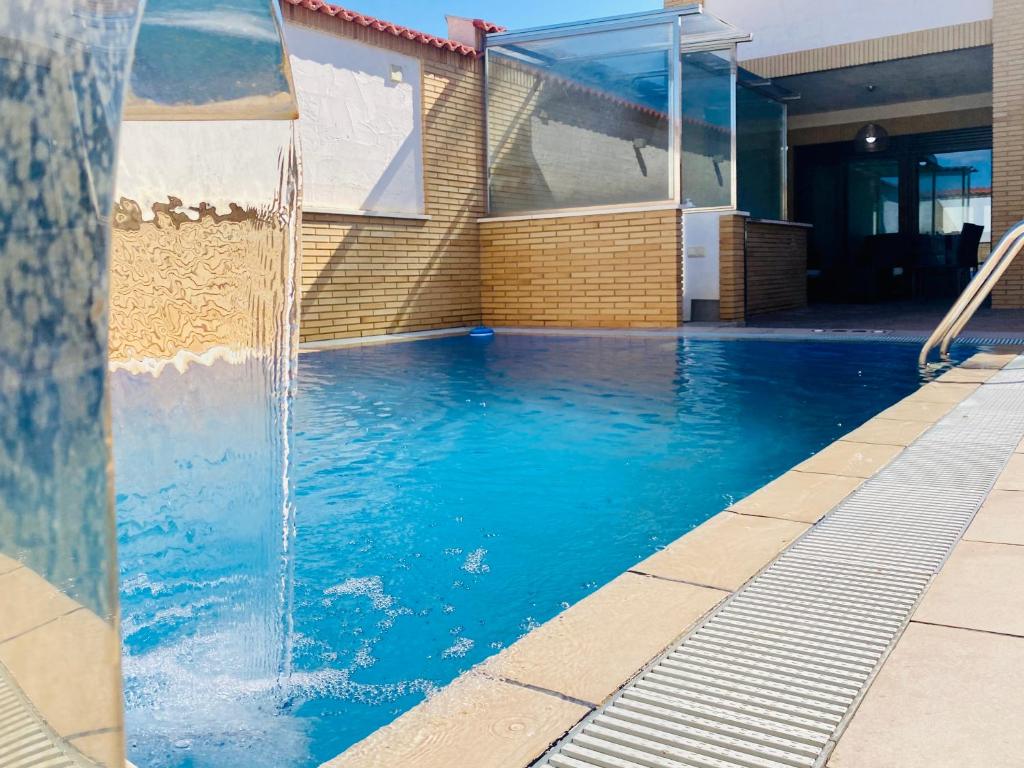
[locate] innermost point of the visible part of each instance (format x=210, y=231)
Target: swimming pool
x=451, y=494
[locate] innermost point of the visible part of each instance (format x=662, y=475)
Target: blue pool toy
x=481, y=332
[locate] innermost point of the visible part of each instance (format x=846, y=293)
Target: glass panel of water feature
x=202, y=357
x=203, y=366
x=63, y=67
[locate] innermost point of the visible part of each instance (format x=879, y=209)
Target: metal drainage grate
x=771, y=677
x=25, y=742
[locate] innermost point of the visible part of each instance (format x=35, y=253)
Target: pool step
x=771, y=677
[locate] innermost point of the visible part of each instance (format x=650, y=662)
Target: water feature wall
x=203, y=324
x=63, y=66
x=202, y=351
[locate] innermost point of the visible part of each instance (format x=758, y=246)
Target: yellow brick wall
x=1008, y=138
x=364, y=276
x=620, y=270
x=731, y=255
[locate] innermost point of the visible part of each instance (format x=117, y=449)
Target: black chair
x=966, y=260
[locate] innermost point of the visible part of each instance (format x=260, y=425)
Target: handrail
x=975, y=293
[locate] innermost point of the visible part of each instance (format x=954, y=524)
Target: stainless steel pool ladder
x=975, y=293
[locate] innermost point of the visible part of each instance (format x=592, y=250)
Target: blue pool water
x=452, y=494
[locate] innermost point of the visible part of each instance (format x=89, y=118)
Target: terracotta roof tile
x=487, y=27
x=388, y=28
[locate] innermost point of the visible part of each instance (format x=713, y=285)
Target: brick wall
x=762, y=267
x=1008, y=138
x=366, y=276
x=731, y=255
x=602, y=271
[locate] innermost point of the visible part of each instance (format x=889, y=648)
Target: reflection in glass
x=955, y=188
x=63, y=66
x=708, y=79
x=236, y=45
x=873, y=189
x=760, y=154
x=580, y=120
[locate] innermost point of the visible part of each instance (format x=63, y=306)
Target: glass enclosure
x=708, y=106
x=627, y=111
x=955, y=188
x=760, y=154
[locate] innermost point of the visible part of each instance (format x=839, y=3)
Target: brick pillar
x=1008, y=137
x=731, y=266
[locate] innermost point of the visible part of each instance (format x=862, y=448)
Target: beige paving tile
x=989, y=360
x=967, y=375
x=1000, y=519
x=28, y=600
x=1012, y=478
x=70, y=670
x=476, y=721
x=106, y=748
x=945, y=698
x=979, y=588
x=589, y=650
x=725, y=551
x=800, y=496
x=917, y=410
x=850, y=459
x=8, y=564
x=888, y=432
x=943, y=393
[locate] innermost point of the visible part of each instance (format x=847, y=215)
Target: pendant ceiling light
x=872, y=138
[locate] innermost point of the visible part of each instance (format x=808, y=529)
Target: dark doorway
x=906, y=224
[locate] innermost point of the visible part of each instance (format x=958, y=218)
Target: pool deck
x=950, y=692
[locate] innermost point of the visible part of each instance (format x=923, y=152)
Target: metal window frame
x=713, y=47
x=608, y=23
x=715, y=41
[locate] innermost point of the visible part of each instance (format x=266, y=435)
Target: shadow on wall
x=387, y=275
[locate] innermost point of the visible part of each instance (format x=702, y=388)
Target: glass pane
x=580, y=120
x=760, y=154
x=63, y=68
x=955, y=188
x=707, y=102
x=703, y=24
x=873, y=188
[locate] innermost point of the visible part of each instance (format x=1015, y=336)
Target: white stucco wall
x=360, y=128
x=785, y=26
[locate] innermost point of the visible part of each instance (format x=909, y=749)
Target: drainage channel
x=771, y=677
x=25, y=741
